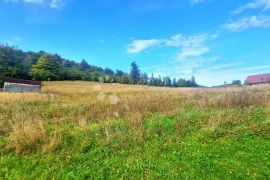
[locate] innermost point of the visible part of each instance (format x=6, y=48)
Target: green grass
x=176, y=146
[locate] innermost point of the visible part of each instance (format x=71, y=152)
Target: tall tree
x=109, y=71
x=160, y=83
x=167, y=81
x=174, y=84
x=151, y=81
x=144, y=78
x=135, y=72
x=84, y=66
x=12, y=63
x=47, y=68
x=119, y=73
x=119, y=76
x=126, y=79
x=193, y=82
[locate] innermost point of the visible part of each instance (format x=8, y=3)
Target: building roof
x=22, y=81
x=258, y=79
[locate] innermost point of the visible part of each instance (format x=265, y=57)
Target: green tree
x=12, y=63
x=72, y=74
x=43, y=66
x=135, y=73
x=181, y=82
x=193, y=82
x=237, y=82
x=47, y=68
x=84, y=66
x=160, y=83
x=119, y=73
x=167, y=81
x=144, y=78
x=126, y=79
x=151, y=80
x=174, y=83
x=109, y=71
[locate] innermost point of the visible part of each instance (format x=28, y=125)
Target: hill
x=79, y=130
x=44, y=66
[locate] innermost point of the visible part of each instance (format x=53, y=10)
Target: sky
x=216, y=41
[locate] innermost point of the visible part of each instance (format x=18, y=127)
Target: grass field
x=81, y=130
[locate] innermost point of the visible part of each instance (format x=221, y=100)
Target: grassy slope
x=194, y=142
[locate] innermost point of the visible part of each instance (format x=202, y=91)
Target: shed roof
x=258, y=79
x=22, y=81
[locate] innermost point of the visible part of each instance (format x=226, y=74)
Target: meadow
x=85, y=130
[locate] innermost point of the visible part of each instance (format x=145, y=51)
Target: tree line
x=43, y=66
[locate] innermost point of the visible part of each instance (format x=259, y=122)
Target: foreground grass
x=194, y=135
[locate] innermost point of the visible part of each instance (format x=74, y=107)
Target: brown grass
x=24, y=118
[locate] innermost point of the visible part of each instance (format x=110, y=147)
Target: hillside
x=44, y=66
x=80, y=130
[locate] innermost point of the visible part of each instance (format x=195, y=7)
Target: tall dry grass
x=34, y=122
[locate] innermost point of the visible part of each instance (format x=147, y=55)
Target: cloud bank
x=248, y=22
x=257, y=4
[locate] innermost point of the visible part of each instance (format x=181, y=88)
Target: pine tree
x=193, y=82
x=84, y=65
x=174, y=84
x=135, y=73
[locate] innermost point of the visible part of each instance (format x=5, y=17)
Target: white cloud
x=192, y=52
x=249, y=22
x=140, y=45
x=191, y=56
x=174, y=40
x=50, y=3
x=193, y=46
x=256, y=4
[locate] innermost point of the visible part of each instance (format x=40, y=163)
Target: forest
x=44, y=66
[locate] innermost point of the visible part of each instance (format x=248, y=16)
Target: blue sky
x=214, y=40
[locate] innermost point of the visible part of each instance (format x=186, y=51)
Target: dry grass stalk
x=63, y=103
